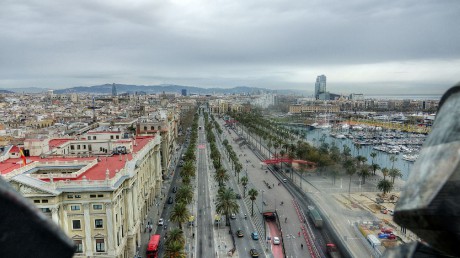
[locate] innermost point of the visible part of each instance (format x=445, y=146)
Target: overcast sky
x=373, y=47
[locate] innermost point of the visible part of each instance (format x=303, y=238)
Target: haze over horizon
x=369, y=47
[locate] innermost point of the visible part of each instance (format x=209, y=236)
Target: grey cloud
x=216, y=42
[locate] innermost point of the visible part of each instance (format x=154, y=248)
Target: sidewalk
x=155, y=210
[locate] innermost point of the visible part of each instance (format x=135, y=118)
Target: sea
x=404, y=96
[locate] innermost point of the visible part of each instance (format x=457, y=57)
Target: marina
x=363, y=140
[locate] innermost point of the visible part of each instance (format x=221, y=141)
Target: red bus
x=153, y=245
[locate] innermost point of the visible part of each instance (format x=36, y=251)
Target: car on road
x=254, y=253
x=233, y=216
x=174, y=190
x=170, y=200
x=284, y=180
x=238, y=196
x=240, y=233
x=276, y=240
x=160, y=222
x=255, y=235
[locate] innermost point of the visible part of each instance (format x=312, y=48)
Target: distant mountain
x=5, y=91
x=168, y=88
x=106, y=89
x=25, y=90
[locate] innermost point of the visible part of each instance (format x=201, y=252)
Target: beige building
x=99, y=201
x=328, y=108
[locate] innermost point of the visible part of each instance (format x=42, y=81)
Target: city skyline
x=366, y=47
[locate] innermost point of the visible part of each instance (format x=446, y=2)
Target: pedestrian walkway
x=155, y=210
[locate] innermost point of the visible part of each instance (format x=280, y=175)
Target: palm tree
x=373, y=155
x=221, y=176
x=180, y=214
x=364, y=172
x=184, y=194
x=253, y=196
x=393, y=159
x=175, y=235
x=238, y=168
x=361, y=159
x=175, y=250
x=244, y=182
x=350, y=169
x=226, y=203
x=394, y=173
x=334, y=173
x=188, y=169
x=385, y=172
x=384, y=186
x=375, y=167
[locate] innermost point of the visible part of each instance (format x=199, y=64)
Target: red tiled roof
x=97, y=172
x=57, y=142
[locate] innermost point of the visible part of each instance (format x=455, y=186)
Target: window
x=77, y=196
x=97, y=207
x=74, y=207
x=92, y=196
x=94, y=137
x=78, y=147
x=152, y=128
x=111, y=136
x=100, y=245
x=69, y=196
x=84, y=147
x=79, y=246
x=145, y=128
x=44, y=201
x=45, y=210
x=72, y=147
x=36, y=201
x=76, y=224
x=117, y=136
x=100, y=195
x=98, y=223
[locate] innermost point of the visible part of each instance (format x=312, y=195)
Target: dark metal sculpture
x=430, y=203
x=27, y=232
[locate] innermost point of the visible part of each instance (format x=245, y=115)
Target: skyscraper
x=114, y=90
x=320, y=85
x=184, y=92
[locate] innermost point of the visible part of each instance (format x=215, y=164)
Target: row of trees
x=329, y=158
x=175, y=242
x=226, y=203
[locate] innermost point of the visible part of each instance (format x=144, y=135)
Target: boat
x=410, y=157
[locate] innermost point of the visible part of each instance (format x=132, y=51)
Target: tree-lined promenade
x=175, y=241
x=330, y=159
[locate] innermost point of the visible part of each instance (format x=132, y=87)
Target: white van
x=284, y=180
x=373, y=240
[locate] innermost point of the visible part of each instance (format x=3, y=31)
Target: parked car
x=233, y=216
x=255, y=235
x=254, y=253
x=170, y=200
x=276, y=240
x=239, y=233
x=160, y=222
x=238, y=196
x=174, y=190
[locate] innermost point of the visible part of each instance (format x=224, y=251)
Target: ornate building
x=99, y=200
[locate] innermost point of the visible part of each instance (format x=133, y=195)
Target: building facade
x=99, y=201
x=320, y=85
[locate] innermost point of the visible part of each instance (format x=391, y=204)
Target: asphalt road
x=272, y=197
x=205, y=235
x=246, y=243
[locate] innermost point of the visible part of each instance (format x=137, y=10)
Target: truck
x=316, y=218
x=373, y=241
x=332, y=250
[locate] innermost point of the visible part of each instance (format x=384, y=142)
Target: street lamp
x=263, y=219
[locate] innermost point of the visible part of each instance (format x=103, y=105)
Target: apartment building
x=98, y=188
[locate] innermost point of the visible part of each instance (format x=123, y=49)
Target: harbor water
x=382, y=158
